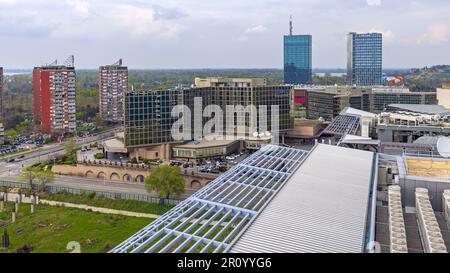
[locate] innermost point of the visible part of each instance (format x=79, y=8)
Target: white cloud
x=7, y=2
x=95, y=20
x=142, y=21
x=259, y=29
x=435, y=35
x=81, y=7
x=374, y=2
x=242, y=38
x=256, y=30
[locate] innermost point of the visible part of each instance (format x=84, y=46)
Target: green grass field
x=102, y=202
x=50, y=229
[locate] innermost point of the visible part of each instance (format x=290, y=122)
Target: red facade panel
x=42, y=99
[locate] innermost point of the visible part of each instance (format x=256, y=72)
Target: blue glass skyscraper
x=297, y=58
x=365, y=59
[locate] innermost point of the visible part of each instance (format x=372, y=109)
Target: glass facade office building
x=298, y=59
x=258, y=96
x=148, y=118
x=365, y=59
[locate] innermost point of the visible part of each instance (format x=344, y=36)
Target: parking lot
x=87, y=153
x=213, y=166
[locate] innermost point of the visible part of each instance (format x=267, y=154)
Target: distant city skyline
x=187, y=34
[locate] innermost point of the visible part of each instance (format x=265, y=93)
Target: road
x=11, y=171
x=46, y=153
x=97, y=185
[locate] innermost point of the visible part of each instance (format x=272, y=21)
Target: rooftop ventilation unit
x=430, y=233
x=397, y=230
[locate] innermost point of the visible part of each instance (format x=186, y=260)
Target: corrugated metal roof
x=321, y=209
x=422, y=108
x=357, y=112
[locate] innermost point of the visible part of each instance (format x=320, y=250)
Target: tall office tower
x=1, y=95
x=54, y=94
x=113, y=83
x=297, y=58
x=365, y=59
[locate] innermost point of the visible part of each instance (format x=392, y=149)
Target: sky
x=172, y=34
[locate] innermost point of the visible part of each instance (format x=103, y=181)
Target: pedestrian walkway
x=12, y=197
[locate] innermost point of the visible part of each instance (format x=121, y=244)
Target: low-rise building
x=299, y=102
x=328, y=102
x=304, y=132
x=198, y=150
x=229, y=82
x=407, y=123
x=114, y=149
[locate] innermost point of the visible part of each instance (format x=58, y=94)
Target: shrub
x=134, y=160
x=99, y=156
x=94, y=145
x=223, y=169
x=27, y=192
x=91, y=195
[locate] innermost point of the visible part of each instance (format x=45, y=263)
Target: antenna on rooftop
x=70, y=61
x=290, y=26
x=119, y=62
x=55, y=62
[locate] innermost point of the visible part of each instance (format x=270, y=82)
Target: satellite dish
x=443, y=146
x=255, y=134
x=268, y=133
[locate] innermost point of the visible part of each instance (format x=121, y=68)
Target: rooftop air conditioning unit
x=430, y=233
x=397, y=229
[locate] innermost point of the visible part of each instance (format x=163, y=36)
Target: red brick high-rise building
x=54, y=97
